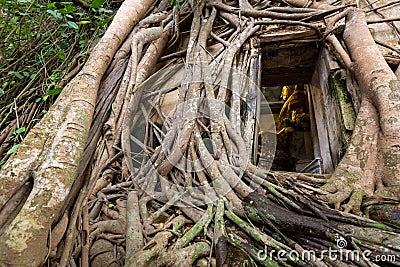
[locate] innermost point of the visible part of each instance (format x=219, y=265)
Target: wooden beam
x=290, y=33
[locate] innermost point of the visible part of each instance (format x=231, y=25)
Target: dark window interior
x=293, y=65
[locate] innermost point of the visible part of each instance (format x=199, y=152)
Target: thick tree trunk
x=378, y=82
x=371, y=165
x=46, y=162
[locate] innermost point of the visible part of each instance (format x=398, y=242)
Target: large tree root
x=233, y=227
x=191, y=196
x=371, y=164
x=51, y=152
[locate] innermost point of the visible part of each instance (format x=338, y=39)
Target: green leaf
x=51, y=5
x=103, y=22
x=14, y=19
x=16, y=74
x=38, y=99
x=103, y=10
x=26, y=74
x=54, y=14
x=73, y=25
x=67, y=10
x=96, y=3
x=1, y=91
x=20, y=130
x=83, y=22
x=55, y=91
x=61, y=55
x=13, y=149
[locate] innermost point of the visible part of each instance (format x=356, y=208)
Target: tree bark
x=51, y=152
x=371, y=165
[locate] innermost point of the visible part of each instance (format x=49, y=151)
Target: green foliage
x=39, y=41
x=13, y=149
x=20, y=130
x=16, y=74
x=97, y=3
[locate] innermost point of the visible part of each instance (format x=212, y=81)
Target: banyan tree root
x=51, y=152
x=184, y=138
x=268, y=227
x=265, y=211
x=371, y=164
x=231, y=236
x=224, y=221
x=156, y=253
x=113, y=90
